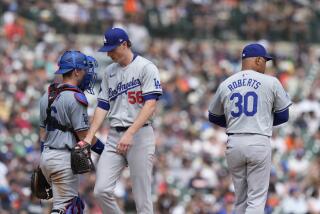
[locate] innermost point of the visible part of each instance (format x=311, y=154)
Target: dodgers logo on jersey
x=157, y=83
x=85, y=119
x=123, y=87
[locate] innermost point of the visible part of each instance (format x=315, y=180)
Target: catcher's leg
x=56, y=165
x=140, y=159
x=108, y=172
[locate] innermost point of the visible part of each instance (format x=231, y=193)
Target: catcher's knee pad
x=76, y=206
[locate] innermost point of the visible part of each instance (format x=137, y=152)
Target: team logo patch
x=85, y=119
x=157, y=83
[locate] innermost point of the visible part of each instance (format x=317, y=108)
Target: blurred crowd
x=190, y=174
x=292, y=20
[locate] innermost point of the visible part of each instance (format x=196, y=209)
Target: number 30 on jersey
x=242, y=104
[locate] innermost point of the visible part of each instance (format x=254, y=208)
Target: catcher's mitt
x=39, y=185
x=81, y=161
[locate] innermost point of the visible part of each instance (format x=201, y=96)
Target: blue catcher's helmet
x=71, y=60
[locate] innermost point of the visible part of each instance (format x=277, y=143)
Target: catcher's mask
x=71, y=60
x=89, y=79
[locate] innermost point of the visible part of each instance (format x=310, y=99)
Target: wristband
x=98, y=147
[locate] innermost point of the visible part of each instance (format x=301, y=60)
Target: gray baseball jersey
x=248, y=100
x=68, y=112
x=124, y=89
x=123, y=93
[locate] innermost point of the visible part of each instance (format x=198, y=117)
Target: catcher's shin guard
x=76, y=206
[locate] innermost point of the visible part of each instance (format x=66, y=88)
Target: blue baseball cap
x=255, y=50
x=71, y=60
x=113, y=37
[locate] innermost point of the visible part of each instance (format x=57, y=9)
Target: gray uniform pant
x=56, y=167
x=139, y=158
x=249, y=162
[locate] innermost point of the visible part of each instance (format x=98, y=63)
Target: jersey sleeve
x=151, y=85
x=79, y=116
x=103, y=97
x=216, y=105
x=282, y=100
x=43, y=108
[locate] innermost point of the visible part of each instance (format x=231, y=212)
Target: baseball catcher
x=63, y=122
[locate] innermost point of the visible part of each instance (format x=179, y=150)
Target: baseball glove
x=39, y=185
x=81, y=161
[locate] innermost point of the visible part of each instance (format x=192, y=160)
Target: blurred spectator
x=227, y=207
x=166, y=199
x=251, y=20
x=294, y=202
x=13, y=30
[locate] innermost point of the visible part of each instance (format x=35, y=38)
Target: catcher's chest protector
x=53, y=92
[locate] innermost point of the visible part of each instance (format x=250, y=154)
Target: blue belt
x=243, y=134
x=53, y=148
